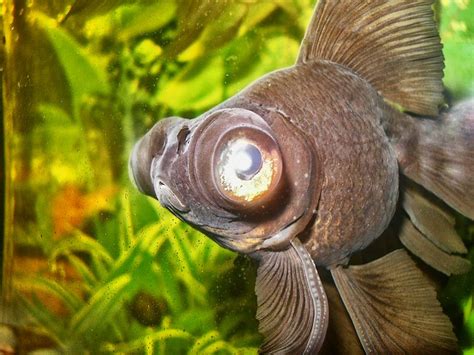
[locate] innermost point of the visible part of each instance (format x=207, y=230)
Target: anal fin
x=292, y=306
x=430, y=219
x=419, y=245
x=394, y=308
x=341, y=338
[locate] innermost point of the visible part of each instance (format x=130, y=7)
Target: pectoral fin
x=292, y=306
x=341, y=338
x=394, y=45
x=419, y=245
x=394, y=308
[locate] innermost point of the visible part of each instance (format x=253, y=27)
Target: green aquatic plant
x=110, y=279
x=96, y=267
x=152, y=288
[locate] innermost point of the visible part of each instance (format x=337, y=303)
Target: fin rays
x=394, y=45
x=431, y=220
x=430, y=233
x=292, y=306
x=440, y=157
x=419, y=245
x=393, y=307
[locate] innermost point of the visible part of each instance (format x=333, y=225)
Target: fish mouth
x=150, y=146
x=137, y=170
x=169, y=199
x=163, y=175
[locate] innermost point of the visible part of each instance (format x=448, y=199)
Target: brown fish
x=301, y=169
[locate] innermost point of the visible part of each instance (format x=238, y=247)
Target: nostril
x=183, y=139
x=149, y=150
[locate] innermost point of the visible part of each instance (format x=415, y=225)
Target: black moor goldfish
x=304, y=167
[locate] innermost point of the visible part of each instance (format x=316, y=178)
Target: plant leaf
x=217, y=33
x=88, y=277
x=102, y=306
x=457, y=34
x=141, y=343
x=148, y=19
x=87, y=8
x=81, y=242
x=255, y=59
x=83, y=74
x=197, y=87
x=52, y=287
x=53, y=115
x=257, y=12
x=139, y=254
x=50, y=322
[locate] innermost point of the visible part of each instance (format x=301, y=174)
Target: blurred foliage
x=138, y=285
x=457, y=33
x=98, y=267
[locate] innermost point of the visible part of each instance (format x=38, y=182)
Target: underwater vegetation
x=89, y=265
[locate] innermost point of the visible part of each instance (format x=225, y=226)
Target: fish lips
x=153, y=159
x=163, y=191
x=151, y=145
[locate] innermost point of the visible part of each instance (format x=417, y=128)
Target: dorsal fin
x=393, y=44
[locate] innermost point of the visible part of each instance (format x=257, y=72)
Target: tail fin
x=439, y=155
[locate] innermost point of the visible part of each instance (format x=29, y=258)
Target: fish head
x=224, y=173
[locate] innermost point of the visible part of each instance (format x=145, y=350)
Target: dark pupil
x=248, y=161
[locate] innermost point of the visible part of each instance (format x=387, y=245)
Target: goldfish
x=307, y=166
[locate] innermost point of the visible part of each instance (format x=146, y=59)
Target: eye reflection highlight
x=244, y=170
x=246, y=160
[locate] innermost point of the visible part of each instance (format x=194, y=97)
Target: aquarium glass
x=90, y=265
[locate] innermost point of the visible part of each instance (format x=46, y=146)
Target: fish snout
x=152, y=145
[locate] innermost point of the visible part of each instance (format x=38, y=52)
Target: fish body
x=358, y=196
x=307, y=165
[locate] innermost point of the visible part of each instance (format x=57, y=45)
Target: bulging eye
x=244, y=170
x=240, y=164
x=245, y=159
x=247, y=167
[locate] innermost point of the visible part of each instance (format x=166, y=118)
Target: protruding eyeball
x=244, y=159
x=245, y=168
